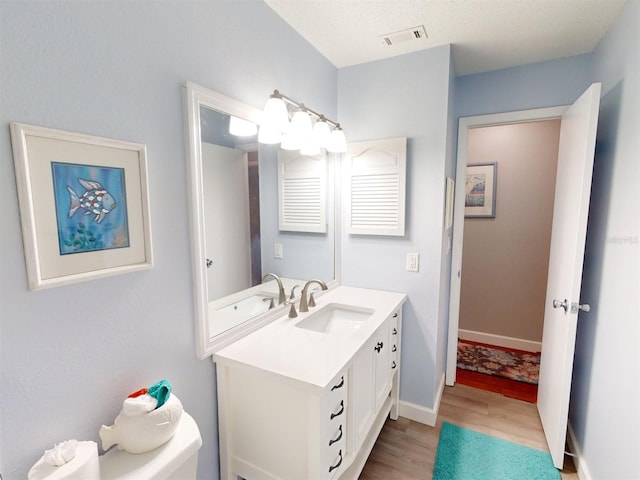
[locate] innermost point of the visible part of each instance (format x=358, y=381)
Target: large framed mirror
x=249, y=259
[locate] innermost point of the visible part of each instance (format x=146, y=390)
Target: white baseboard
x=500, y=341
x=418, y=413
x=578, y=459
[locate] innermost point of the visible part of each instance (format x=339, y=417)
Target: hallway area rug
x=507, y=363
x=467, y=455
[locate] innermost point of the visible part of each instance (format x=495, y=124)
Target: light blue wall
x=69, y=355
x=537, y=85
x=604, y=401
x=406, y=96
x=447, y=235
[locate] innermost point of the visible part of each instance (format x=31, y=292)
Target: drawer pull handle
x=395, y=315
x=378, y=347
x=394, y=349
x=340, y=385
x=333, y=467
x=340, y=412
x=337, y=439
x=395, y=331
x=393, y=365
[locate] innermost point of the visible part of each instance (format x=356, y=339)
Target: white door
x=226, y=221
x=570, y=211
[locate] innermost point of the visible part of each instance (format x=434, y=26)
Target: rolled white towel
x=139, y=405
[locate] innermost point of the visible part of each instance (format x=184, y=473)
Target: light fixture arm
x=302, y=106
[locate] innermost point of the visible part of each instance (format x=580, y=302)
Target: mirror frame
x=195, y=97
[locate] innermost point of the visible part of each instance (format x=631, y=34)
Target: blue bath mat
x=467, y=455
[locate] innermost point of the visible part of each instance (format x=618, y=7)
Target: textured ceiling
x=485, y=34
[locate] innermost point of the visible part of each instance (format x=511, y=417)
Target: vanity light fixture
x=337, y=141
x=242, y=128
x=300, y=132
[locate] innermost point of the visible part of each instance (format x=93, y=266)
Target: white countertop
x=312, y=357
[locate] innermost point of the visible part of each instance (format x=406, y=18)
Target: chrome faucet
x=281, y=295
x=304, y=304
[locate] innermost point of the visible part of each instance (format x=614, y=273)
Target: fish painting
x=94, y=201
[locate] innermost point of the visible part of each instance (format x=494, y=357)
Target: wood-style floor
x=407, y=450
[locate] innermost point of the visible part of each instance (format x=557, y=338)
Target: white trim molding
x=578, y=459
x=464, y=124
x=500, y=340
x=418, y=413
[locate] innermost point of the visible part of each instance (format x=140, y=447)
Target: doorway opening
x=571, y=205
x=468, y=126
x=511, y=175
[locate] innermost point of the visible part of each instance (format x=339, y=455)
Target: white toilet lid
x=158, y=463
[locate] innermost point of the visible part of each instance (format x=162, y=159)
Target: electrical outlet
x=413, y=262
x=277, y=250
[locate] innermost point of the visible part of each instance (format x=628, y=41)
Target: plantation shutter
x=376, y=178
x=302, y=192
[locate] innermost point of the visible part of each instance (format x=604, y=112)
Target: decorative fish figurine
x=145, y=432
x=95, y=200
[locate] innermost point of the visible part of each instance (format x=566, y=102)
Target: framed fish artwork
x=84, y=205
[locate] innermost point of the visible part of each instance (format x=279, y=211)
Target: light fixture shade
x=242, y=128
x=301, y=129
x=321, y=133
x=289, y=142
x=337, y=142
x=269, y=135
x=310, y=148
x=275, y=115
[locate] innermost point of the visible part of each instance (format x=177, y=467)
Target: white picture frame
x=84, y=205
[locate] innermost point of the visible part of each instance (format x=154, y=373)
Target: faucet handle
x=292, y=310
x=293, y=292
x=270, y=300
x=312, y=301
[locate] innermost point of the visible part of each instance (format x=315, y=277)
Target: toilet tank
x=175, y=460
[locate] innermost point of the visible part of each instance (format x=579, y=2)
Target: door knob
x=559, y=304
x=585, y=307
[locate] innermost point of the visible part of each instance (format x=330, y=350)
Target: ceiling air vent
x=414, y=33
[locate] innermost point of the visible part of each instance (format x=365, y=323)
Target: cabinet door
x=371, y=382
x=362, y=403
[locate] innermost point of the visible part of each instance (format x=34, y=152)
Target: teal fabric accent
x=467, y=455
x=160, y=391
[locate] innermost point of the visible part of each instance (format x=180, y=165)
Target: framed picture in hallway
x=480, y=190
x=84, y=205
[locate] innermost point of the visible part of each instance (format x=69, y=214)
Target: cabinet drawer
x=337, y=396
x=335, y=451
x=335, y=418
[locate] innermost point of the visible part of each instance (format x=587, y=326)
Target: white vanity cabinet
x=374, y=378
x=276, y=429
x=300, y=404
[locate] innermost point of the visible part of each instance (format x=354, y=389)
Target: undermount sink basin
x=336, y=318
